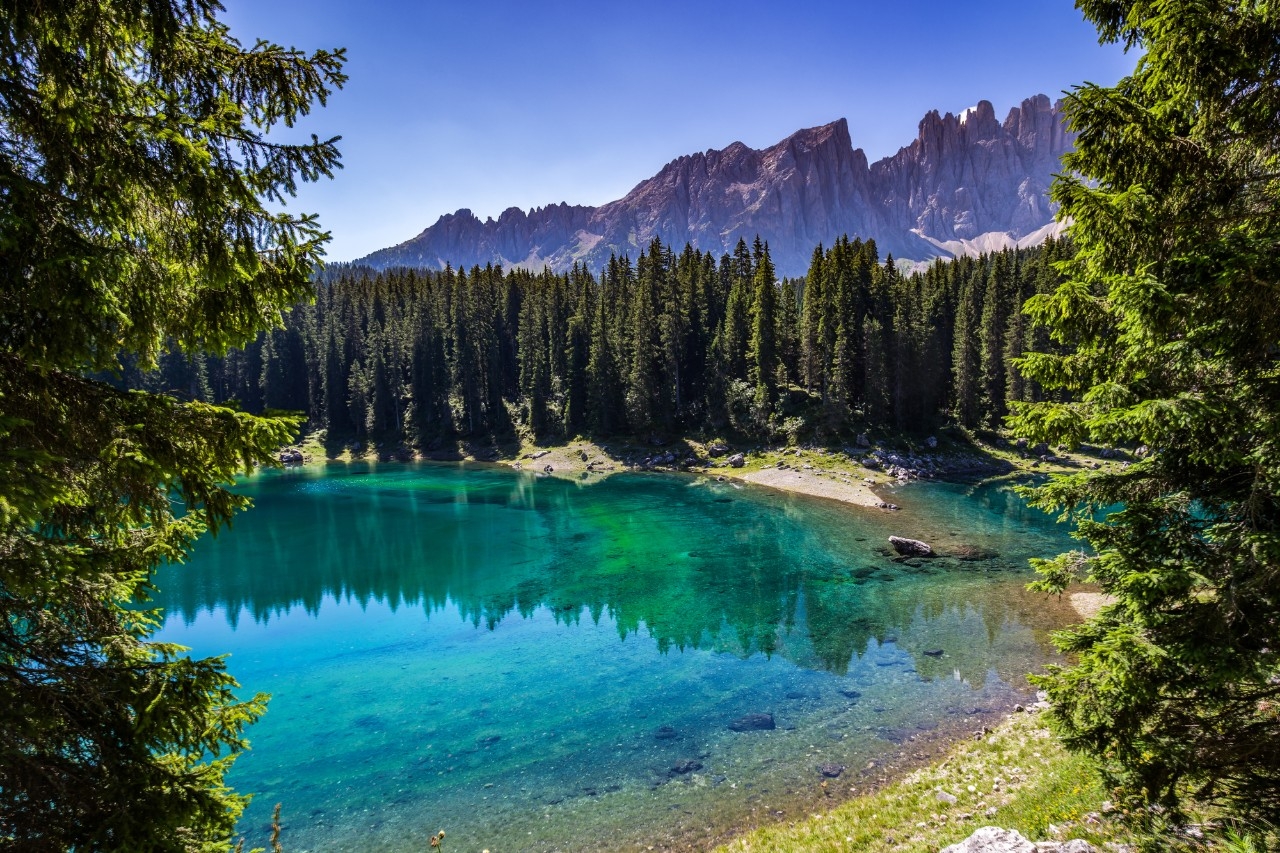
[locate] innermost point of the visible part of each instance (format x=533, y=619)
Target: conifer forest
x=670, y=343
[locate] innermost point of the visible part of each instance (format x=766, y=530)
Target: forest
x=670, y=344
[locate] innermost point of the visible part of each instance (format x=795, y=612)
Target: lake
x=532, y=663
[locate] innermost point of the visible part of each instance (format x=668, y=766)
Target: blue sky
x=491, y=104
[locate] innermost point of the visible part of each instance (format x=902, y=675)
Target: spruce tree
x=577, y=358
x=534, y=359
x=427, y=389
x=644, y=377
x=137, y=190
x=603, y=376
x=762, y=350
x=991, y=329
x=877, y=402
x=735, y=335
x=1170, y=322
x=336, y=417
x=812, y=306
x=1015, y=344
x=966, y=356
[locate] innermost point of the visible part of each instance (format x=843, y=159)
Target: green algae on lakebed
x=530, y=664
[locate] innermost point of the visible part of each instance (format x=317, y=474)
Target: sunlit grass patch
x=1018, y=777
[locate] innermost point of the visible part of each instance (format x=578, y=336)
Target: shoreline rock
x=993, y=839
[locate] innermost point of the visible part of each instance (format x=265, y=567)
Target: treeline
x=670, y=343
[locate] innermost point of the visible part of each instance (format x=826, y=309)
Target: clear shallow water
x=523, y=661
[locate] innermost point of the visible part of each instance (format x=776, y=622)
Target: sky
x=490, y=104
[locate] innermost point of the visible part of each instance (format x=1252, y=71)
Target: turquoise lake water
x=540, y=664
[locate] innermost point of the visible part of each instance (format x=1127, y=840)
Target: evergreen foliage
x=670, y=343
x=134, y=179
x=1171, y=317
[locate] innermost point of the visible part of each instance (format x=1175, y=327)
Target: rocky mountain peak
x=967, y=183
x=835, y=134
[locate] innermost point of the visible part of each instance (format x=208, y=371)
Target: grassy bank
x=1017, y=777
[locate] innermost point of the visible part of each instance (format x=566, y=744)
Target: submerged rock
x=686, y=765
x=755, y=722
x=910, y=547
x=665, y=733
x=831, y=771
x=973, y=553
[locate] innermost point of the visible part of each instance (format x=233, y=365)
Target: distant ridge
x=967, y=184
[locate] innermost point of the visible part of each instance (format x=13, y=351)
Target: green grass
x=1017, y=777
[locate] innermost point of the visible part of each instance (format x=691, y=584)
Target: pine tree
x=813, y=358
x=1167, y=333
x=644, y=377
x=762, y=351
x=577, y=359
x=535, y=369
x=966, y=356
x=789, y=331
x=337, y=417
x=904, y=371
x=735, y=335
x=877, y=405
x=673, y=333
x=1015, y=344
x=137, y=191
x=427, y=380
x=381, y=414
x=991, y=334
x=604, y=378
x=467, y=368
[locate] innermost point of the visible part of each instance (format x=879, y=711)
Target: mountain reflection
x=691, y=565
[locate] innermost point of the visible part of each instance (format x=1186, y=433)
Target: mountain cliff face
x=967, y=184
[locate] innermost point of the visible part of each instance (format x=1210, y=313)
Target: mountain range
x=968, y=183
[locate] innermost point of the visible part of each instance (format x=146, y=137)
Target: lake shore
x=815, y=485
x=857, y=476
x=1016, y=775
x=846, y=473
x=828, y=479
